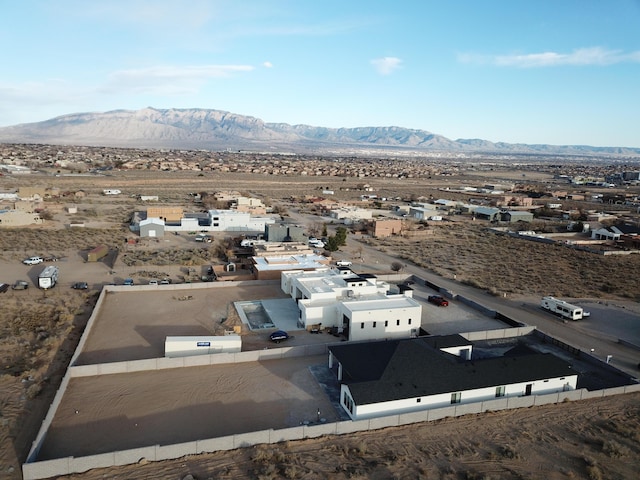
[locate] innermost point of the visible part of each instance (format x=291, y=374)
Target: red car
x=438, y=300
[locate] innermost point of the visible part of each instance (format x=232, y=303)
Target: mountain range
x=219, y=130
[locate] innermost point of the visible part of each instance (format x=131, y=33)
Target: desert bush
x=594, y=472
x=508, y=451
x=614, y=450
x=33, y=391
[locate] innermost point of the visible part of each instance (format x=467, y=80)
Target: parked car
x=4, y=287
x=128, y=281
x=344, y=263
x=80, y=286
x=153, y=281
x=20, y=285
x=50, y=259
x=165, y=281
x=438, y=300
x=33, y=260
x=279, y=336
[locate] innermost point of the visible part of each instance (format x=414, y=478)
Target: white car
x=344, y=263
x=33, y=260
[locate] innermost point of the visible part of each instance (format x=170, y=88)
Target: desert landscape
x=39, y=330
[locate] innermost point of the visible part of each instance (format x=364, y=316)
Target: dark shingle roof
x=397, y=369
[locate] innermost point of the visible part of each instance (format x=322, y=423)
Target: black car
x=278, y=336
x=80, y=286
x=4, y=287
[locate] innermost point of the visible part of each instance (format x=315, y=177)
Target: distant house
x=513, y=216
x=385, y=227
x=277, y=232
x=17, y=218
x=487, y=213
x=399, y=376
x=606, y=233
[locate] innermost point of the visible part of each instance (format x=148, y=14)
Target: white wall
x=326, y=314
x=381, y=331
x=539, y=387
x=177, y=346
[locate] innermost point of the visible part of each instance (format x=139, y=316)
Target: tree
x=396, y=266
x=332, y=244
x=341, y=235
x=324, y=230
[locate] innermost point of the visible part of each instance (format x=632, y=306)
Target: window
x=500, y=391
x=362, y=325
x=418, y=400
x=374, y=324
x=386, y=323
x=398, y=322
x=409, y=321
x=455, y=397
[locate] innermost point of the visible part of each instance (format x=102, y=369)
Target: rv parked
x=563, y=309
x=48, y=277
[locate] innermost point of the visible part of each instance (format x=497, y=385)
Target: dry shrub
x=594, y=472
x=614, y=450
x=33, y=391
x=508, y=451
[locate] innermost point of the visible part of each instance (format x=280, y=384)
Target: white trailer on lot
x=48, y=277
x=563, y=309
x=187, y=346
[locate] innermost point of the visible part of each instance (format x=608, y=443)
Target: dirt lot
x=594, y=439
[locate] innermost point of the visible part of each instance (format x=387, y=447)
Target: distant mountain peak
x=196, y=128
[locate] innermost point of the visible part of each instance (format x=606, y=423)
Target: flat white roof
x=289, y=262
x=385, y=303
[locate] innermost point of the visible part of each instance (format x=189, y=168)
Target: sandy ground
x=115, y=412
x=587, y=439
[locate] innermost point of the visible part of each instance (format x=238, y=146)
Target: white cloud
x=267, y=65
x=581, y=57
x=168, y=80
x=386, y=65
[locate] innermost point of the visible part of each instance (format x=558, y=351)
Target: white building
x=359, y=306
x=235, y=221
x=351, y=214
x=399, y=376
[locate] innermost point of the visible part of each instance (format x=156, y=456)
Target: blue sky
x=545, y=71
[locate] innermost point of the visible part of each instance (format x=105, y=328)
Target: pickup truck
x=33, y=260
x=344, y=263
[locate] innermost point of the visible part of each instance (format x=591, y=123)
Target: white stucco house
x=359, y=306
x=399, y=376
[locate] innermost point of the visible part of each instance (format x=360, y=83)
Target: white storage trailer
x=563, y=309
x=187, y=346
x=48, y=277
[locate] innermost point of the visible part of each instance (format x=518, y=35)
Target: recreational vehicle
x=48, y=277
x=563, y=309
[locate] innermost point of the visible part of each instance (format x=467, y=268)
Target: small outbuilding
x=152, y=227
